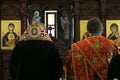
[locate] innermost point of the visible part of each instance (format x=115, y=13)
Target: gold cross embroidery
x=98, y=45
x=94, y=60
x=78, y=56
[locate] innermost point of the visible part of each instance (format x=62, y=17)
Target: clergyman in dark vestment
x=35, y=57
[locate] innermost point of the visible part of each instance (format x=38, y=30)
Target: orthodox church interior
x=53, y=13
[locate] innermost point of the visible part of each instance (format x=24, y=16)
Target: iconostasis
x=112, y=26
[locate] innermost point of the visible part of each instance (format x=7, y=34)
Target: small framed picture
x=83, y=29
x=112, y=29
x=10, y=33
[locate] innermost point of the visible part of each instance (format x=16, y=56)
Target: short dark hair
x=94, y=25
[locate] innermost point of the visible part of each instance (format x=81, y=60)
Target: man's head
x=94, y=26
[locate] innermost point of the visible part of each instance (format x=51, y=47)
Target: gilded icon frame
x=83, y=26
x=5, y=30
x=108, y=24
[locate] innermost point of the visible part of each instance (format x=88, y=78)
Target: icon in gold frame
x=10, y=33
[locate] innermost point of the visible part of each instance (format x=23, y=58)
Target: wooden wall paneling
x=23, y=11
x=102, y=15
x=5, y=65
x=63, y=50
x=89, y=9
x=1, y=66
x=76, y=20
x=10, y=10
x=112, y=10
x=0, y=50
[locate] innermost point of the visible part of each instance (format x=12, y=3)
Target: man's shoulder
x=94, y=38
x=36, y=41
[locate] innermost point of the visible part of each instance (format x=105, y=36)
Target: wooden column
x=10, y=10
x=23, y=15
x=103, y=11
x=76, y=20
x=0, y=51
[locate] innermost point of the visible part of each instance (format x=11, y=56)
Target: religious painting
x=66, y=24
x=112, y=29
x=10, y=33
x=34, y=14
x=83, y=29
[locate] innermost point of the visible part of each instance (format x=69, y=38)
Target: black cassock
x=114, y=68
x=35, y=60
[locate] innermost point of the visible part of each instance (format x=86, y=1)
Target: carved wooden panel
x=0, y=66
x=89, y=8
x=63, y=50
x=10, y=10
x=112, y=10
x=5, y=65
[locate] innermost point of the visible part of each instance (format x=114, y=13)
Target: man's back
x=114, y=68
x=36, y=60
x=90, y=58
